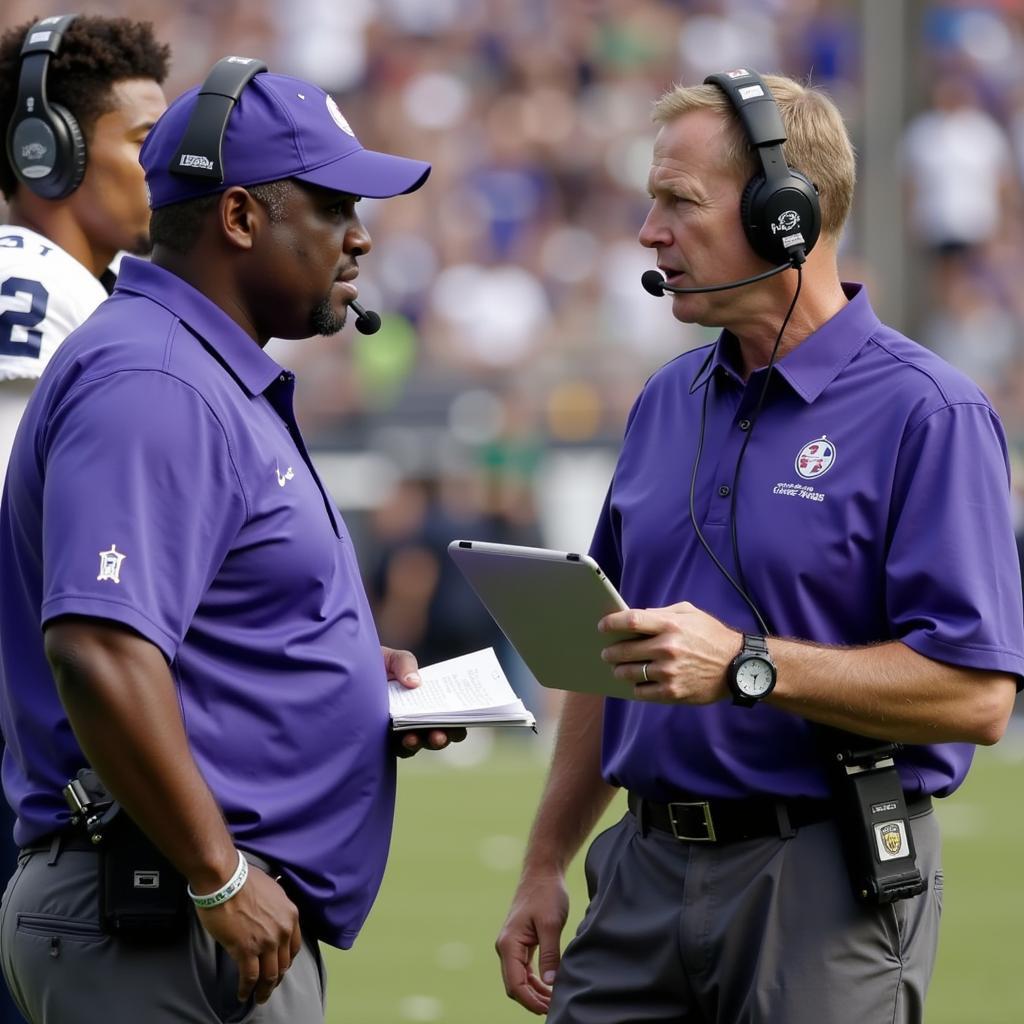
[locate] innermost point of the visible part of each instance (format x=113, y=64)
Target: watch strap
x=754, y=643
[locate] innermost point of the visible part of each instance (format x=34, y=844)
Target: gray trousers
x=764, y=931
x=63, y=969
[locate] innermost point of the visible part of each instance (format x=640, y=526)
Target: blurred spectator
x=969, y=327
x=411, y=580
x=959, y=171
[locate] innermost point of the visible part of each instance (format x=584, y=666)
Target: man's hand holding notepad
x=467, y=691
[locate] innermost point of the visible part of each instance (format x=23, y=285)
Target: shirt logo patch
x=283, y=478
x=110, y=564
x=816, y=458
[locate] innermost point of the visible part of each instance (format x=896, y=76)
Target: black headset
x=199, y=154
x=45, y=145
x=779, y=207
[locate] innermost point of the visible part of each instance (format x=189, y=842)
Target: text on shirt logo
x=794, y=490
x=110, y=564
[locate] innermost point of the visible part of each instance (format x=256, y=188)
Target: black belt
x=55, y=843
x=729, y=821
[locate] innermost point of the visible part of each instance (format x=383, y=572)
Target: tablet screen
x=548, y=604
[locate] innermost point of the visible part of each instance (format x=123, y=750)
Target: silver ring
x=643, y=669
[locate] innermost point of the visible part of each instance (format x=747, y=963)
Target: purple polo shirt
x=873, y=505
x=159, y=480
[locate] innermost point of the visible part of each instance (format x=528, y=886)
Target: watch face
x=754, y=677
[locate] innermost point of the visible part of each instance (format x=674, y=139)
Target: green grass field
x=427, y=953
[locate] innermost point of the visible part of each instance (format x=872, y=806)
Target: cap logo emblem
x=196, y=160
x=338, y=117
x=816, y=458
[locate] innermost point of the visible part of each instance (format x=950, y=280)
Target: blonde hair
x=817, y=143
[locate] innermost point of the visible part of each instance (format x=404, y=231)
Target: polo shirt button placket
x=724, y=491
x=743, y=424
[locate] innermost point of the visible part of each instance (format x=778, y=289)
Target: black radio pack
x=142, y=895
x=878, y=839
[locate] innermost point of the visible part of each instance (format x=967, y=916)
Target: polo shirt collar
x=820, y=357
x=249, y=364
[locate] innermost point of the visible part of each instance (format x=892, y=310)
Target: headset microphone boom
x=654, y=283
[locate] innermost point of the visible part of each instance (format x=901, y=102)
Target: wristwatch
x=751, y=674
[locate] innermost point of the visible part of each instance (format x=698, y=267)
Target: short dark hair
x=177, y=226
x=95, y=54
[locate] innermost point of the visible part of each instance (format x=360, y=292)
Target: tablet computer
x=548, y=604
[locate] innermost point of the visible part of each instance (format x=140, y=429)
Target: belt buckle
x=709, y=825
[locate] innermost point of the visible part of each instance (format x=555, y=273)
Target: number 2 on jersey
x=24, y=318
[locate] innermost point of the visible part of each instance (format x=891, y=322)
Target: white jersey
x=44, y=295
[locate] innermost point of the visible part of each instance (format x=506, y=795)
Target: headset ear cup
x=70, y=166
x=761, y=204
x=751, y=213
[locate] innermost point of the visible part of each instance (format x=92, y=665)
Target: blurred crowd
x=515, y=332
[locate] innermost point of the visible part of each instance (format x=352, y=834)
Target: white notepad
x=467, y=691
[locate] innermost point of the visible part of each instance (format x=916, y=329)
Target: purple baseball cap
x=281, y=127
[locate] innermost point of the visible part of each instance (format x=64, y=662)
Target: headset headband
x=42, y=41
x=199, y=154
x=757, y=110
